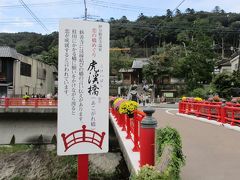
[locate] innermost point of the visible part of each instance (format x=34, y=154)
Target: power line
x=161, y=22
x=85, y=11
x=125, y=5
x=104, y=4
x=34, y=16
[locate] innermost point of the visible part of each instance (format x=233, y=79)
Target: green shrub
x=199, y=92
x=170, y=136
x=147, y=173
x=165, y=136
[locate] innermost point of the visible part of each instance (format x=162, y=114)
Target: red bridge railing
x=131, y=125
x=221, y=112
x=31, y=102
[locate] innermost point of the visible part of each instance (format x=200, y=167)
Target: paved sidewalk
x=212, y=152
x=161, y=105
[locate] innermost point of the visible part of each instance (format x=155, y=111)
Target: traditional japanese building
x=20, y=74
x=167, y=87
x=228, y=65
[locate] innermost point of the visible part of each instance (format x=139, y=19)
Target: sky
x=15, y=18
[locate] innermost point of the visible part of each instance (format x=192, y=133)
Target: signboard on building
x=83, y=86
x=168, y=94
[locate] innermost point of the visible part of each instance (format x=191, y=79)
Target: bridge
x=211, y=146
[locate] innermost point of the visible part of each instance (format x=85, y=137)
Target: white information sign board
x=83, y=87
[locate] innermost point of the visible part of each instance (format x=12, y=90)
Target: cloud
x=21, y=22
x=8, y=30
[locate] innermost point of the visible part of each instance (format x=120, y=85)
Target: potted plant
x=198, y=99
x=184, y=98
x=236, y=100
x=26, y=97
x=128, y=107
x=117, y=102
x=216, y=99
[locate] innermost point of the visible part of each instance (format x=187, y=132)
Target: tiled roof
x=235, y=54
x=6, y=51
x=224, y=62
x=139, y=63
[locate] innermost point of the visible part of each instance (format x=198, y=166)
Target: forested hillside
x=220, y=27
x=189, y=42
x=148, y=32
x=29, y=43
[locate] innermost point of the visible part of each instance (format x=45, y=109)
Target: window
x=41, y=73
x=25, y=69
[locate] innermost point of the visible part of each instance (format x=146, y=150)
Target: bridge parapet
x=32, y=105
x=136, y=137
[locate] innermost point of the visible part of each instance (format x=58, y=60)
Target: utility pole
x=146, y=50
x=222, y=48
x=85, y=5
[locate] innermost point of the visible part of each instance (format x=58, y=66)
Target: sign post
x=82, y=173
x=83, y=90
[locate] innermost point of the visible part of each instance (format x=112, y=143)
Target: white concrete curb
x=236, y=128
x=132, y=158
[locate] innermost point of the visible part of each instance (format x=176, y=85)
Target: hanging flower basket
x=26, y=97
x=128, y=107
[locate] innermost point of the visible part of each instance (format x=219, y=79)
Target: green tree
x=197, y=65
x=51, y=57
x=222, y=84
x=119, y=60
x=159, y=65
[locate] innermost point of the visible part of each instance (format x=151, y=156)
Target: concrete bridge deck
x=212, y=152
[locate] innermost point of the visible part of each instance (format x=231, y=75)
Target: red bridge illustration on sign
x=83, y=136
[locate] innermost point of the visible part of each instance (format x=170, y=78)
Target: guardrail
x=131, y=125
x=221, y=112
x=31, y=102
x=134, y=128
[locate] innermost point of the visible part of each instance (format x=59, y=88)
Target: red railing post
x=135, y=134
x=185, y=108
x=124, y=122
x=117, y=117
x=147, y=138
x=138, y=116
x=232, y=123
x=121, y=120
x=188, y=108
x=209, y=112
x=197, y=109
x=223, y=114
x=36, y=102
x=128, y=128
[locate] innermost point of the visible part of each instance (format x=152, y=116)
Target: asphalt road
x=212, y=152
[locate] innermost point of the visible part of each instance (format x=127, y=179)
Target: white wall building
x=229, y=65
x=20, y=74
